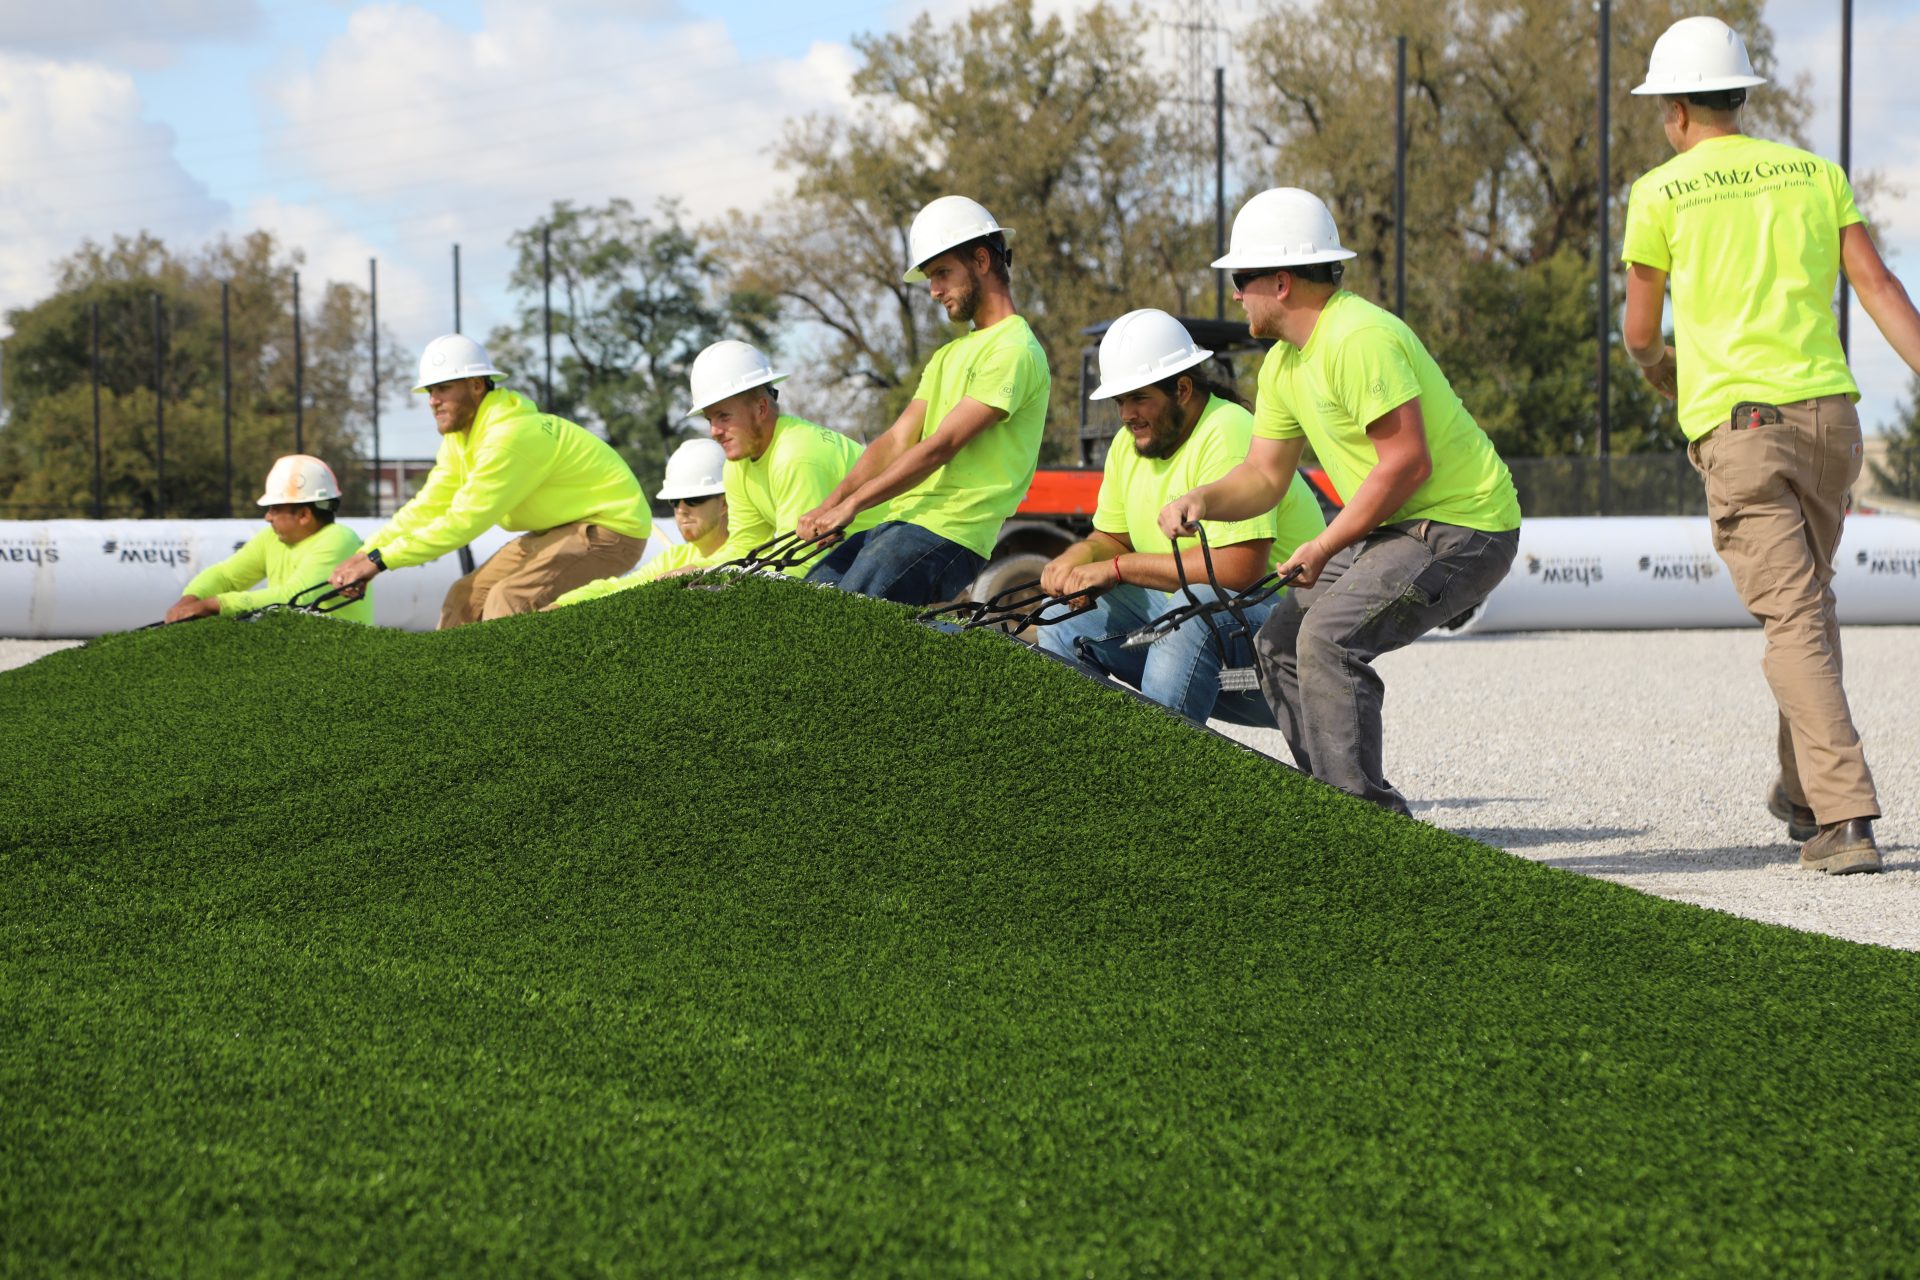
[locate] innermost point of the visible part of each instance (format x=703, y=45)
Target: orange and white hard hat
x=299, y=478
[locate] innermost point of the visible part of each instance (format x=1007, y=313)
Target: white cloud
x=423, y=135
x=410, y=117
x=81, y=162
x=143, y=34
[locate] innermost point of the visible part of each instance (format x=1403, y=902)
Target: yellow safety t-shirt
x=520, y=469
x=1134, y=490
x=766, y=496
x=288, y=571
x=675, y=555
x=967, y=500
x=1360, y=363
x=1748, y=232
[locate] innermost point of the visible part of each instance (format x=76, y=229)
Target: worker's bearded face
x=954, y=283
x=1261, y=298
x=743, y=425
x=455, y=403
x=1156, y=421
x=698, y=517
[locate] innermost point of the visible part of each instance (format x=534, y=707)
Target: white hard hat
x=726, y=369
x=944, y=224
x=299, y=478
x=1141, y=348
x=694, y=471
x=1283, y=227
x=1698, y=55
x=453, y=356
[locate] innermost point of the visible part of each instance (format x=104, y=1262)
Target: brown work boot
x=1801, y=826
x=1842, y=848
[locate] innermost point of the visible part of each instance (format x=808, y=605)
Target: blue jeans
x=899, y=562
x=1181, y=672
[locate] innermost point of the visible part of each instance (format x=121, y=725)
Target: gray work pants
x=1383, y=593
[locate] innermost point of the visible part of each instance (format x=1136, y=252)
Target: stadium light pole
x=1400, y=176
x=299, y=376
x=1219, y=189
x=373, y=350
x=1604, y=273
x=226, y=395
x=159, y=415
x=546, y=304
x=99, y=462
x=1846, y=148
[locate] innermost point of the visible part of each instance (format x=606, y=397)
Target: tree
x=1899, y=476
x=634, y=301
x=1503, y=190
x=1057, y=125
x=46, y=446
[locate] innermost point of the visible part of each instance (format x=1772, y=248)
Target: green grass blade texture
x=764, y=932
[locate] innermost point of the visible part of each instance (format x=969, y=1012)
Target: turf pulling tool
x=330, y=600
x=1020, y=606
x=771, y=559
x=1234, y=677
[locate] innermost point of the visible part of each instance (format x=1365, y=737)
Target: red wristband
x=1118, y=577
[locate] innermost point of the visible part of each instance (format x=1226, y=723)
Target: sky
x=393, y=131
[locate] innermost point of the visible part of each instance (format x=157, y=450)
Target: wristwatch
x=379, y=561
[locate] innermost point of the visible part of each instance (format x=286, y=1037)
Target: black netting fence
x=1643, y=484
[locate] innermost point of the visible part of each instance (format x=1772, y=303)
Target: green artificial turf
x=767, y=933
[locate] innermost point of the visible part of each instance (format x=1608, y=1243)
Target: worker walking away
x=1430, y=522
x=778, y=466
x=695, y=487
x=959, y=459
x=298, y=549
x=1180, y=431
x=1752, y=236
x=503, y=462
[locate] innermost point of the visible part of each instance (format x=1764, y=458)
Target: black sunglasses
x=1241, y=279
x=695, y=502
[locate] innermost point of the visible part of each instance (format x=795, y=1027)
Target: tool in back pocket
x=1755, y=413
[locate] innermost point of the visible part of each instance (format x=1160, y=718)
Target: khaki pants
x=535, y=569
x=1777, y=495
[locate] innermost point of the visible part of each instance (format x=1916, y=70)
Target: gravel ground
x=1644, y=757
x=1641, y=757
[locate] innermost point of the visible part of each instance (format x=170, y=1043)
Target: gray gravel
x=18, y=653
x=1641, y=757
x=1644, y=758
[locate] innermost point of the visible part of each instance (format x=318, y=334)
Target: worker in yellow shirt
x=1752, y=236
x=959, y=459
x=1181, y=431
x=300, y=546
x=778, y=466
x=695, y=487
x=504, y=462
x=1430, y=522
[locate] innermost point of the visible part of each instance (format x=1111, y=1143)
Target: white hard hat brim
x=670, y=493
x=488, y=372
x=1708, y=84
x=1246, y=259
x=1120, y=386
x=914, y=274
x=766, y=381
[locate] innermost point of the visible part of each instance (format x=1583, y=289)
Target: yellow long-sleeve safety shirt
x=287, y=569
x=520, y=469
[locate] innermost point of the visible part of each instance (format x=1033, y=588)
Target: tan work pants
x=535, y=569
x=1777, y=495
